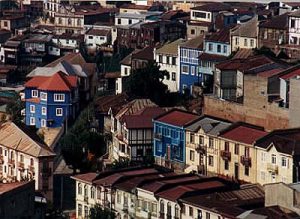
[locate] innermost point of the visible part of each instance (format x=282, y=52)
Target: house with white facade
x=167, y=58
x=294, y=28
x=94, y=37
x=24, y=156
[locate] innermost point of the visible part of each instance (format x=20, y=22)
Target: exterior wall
x=194, y=30
x=188, y=61
x=173, y=80
x=172, y=213
x=235, y=161
x=146, y=202
x=283, y=90
x=71, y=43
x=269, y=172
x=255, y=110
x=94, y=41
x=18, y=166
x=294, y=103
x=207, y=16
x=272, y=38
x=238, y=42
x=125, y=204
x=212, y=48
x=68, y=23
x=294, y=33
x=119, y=20
x=198, y=213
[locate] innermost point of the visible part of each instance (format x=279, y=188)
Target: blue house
x=50, y=100
x=188, y=63
x=169, y=138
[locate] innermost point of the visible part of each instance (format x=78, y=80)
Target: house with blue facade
x=50, y=100
x=169, y=138
x=189, y=53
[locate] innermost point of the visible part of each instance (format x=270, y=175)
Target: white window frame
x=193, y=70
x=44, y=111
x=286, y=162
x=44, y=96
x=32, y=121
x=34, y=93
x=188, y=68
x=43, y=123
x=56, y=99
x=59, y=114
x=32, y=108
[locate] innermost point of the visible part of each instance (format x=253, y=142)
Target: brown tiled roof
x=134, y=6
x=243, y=54
x=21, y=138
x=278, y=22
x=285, y=141
x=144, y=54
x=98, y=32
x=274, y=212
x=7, y=187
x=222, y=35
x=213, y=7
x=86, y=177
x=177, y=118
x=194, y=43
x=212, y=57
x=113, y=102
x=112, y=75
x=247, y=29
x=240, y=132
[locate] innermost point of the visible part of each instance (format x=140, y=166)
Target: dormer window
x=34, y=93
x=59, y=97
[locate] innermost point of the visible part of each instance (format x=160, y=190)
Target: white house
x=96, y=37
x=294, y=28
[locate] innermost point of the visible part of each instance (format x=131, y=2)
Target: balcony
x=226, y=155
x=158, y=136
x=246, y=161
x=272, y=168
x=21, y=165
x=86, y=198
x=125, y=207
x=31, y=168
x=200, y=148
x=11, y=162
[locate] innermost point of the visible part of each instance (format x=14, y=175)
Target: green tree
x=97, y=212
x=14, y=108
x=147, y=83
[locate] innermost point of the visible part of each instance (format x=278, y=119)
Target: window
x=79, y=188
x=198, y=14
x=59, y=97
x=169, y=209
x=31, y=162
x=192, y=155
x=236, y=149
x=207, y=215
x=78, y=22
x=246, y=171
x=245, y=42
x=283, y=162
x=211, y=160
x=59, y=111
x=236, y=41
x=21, y=158
x=273, y=159
x=5, y=23
x=173, y=76
x=43, y=122
x=225, y=49
x=210, y=47
x=226, y=146
x=69, y=21
x=262, y=175
x=192, y=31
x=263, y=157
x=293, y=23
x=247, y=152
x=44, y=96
x=252, y=43
x=118, y=197
x=191, y=213
x=59, y=20
x=193, y=70
x=34, y=93
x=32, y=108
x=177, y=211
x=192, y=138
x=199, y=214
x=219, y=48
x=173, y=60
x=185, y=69
x=79, y=209
x=92, y=193
x=86, y=211
x=211, y=142
x=160, y=59
x=201, y=140
x=32, y=121
x=168, y=60
x=44, y=110
x=162, y=206
x=85, y=190
x=226, y=165
x=129, y=21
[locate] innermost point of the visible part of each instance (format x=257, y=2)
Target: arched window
x=162, y=206
x=85, y=190
x=169, y=209
x=92, y=192
x=177, y=211
x=69, y=21
x=21, y=158
x=78, y=22
x=79, y=188
x=59, y=20
x=31, y=162
x=12, y=155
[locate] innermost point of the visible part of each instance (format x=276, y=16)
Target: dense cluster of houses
x=235, y=155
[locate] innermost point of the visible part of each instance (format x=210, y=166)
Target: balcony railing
x=246, y=161
x=226, y=155
x=272, y=168
x=175, y=141
x=11, y=162
x=86, y=198
x=21, y=165
x=201, y=148
x=158, y=136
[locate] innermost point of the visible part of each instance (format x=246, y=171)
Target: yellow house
x=244, y=36
x=278, y=156
x=202, y=150
x=237, y=151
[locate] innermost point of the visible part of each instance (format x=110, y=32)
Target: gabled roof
x=247, y=29
x=98, y=32
x=114, y=102
x=213, y=7
x=57, y=82
x=211, y=57
x=170, y=48
x=177, y=117
x=242, y=132
x=284, y=140
x=21, y=138
x=278, y=22
x=222, y=36
x=195, y=43
x=144, y=54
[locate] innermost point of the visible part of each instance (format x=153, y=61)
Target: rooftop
x=177, y=117
x=114, y=102
x=213, y=7
x=144, y=54
x=222, y=36
x=247, y=29
x=195, y=43
x=170, y=48
x=7, y=187
x=278, y=22
x=244, y=133
x=98, y=32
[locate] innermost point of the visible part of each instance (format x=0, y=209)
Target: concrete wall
x=294, y=103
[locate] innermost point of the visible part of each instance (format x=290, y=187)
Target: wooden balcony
x=246, y=161
x=226, y=155
x=272, y=168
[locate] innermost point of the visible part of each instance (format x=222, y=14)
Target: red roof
x=177, y=118
x=270, y=73
x=243, y=134
x=291, y=74
x=86, y=177
x=33, y=100
x=57, y=82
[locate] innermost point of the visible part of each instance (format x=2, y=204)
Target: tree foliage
x=97, y=212
x=14, y=108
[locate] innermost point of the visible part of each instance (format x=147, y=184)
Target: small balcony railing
x=246, y=161
x=11, y=162
x=21, y=165
x=226, y=155
x=200, y=148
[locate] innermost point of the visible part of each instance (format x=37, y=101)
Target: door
x=236, y=170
